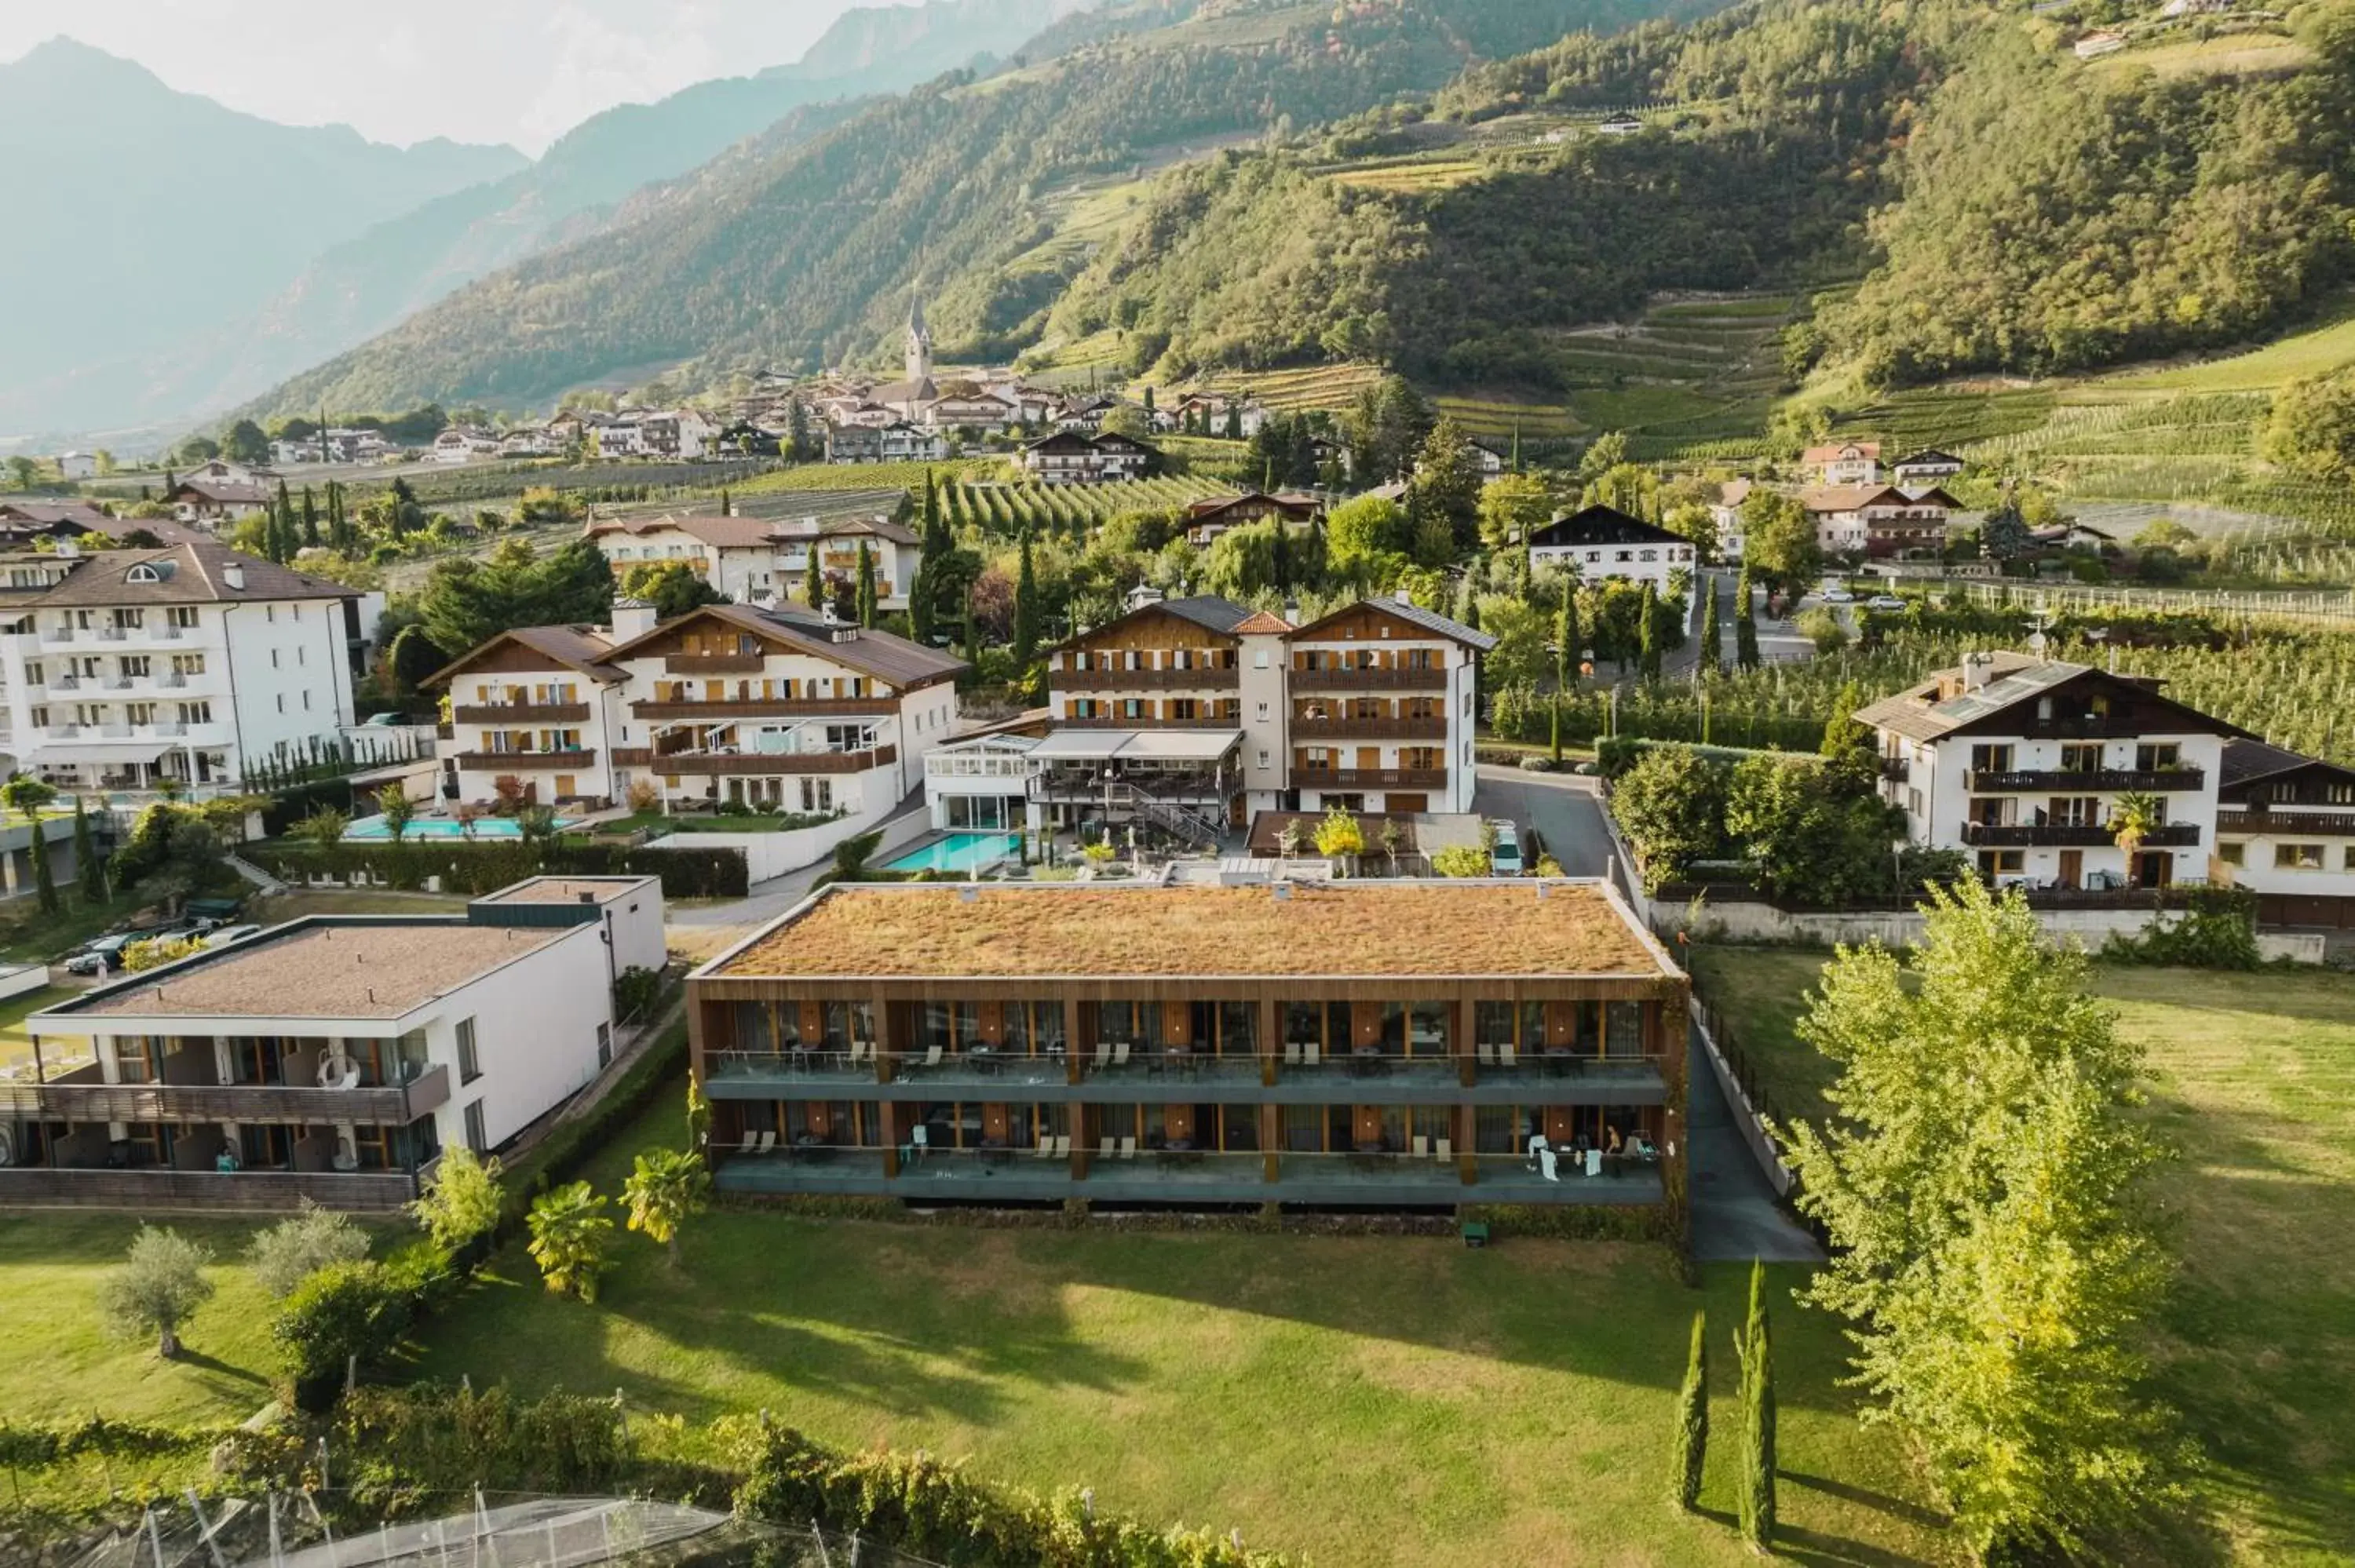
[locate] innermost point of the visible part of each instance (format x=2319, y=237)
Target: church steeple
x=920, y=341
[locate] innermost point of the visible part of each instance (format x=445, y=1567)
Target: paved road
x=1562, y=806
x=770, y=899
x=1735, y=1214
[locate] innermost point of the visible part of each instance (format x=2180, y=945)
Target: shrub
x=461, y=1203
x=292, y=1250
x=155, y=953
x=479, y=868
x=635, y=992
x=344, y=1310
x=1461, y=860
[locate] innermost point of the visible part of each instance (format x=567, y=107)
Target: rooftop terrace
x=1367, y=928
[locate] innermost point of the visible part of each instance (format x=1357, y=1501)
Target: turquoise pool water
x=373, y=828
x=959, y=853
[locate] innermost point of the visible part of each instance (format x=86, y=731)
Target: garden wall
x=771, y=856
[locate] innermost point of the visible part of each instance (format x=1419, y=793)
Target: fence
x=2332, y=609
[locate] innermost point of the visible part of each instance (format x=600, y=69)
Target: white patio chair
x=1128, y=1149
x=1421, y=1146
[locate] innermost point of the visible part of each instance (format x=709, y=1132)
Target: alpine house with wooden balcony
x=1380, y=711
x=768, y=707
x=331, y=1059
x=2285, y=829
x=1367, y=1044
x=2022, y=763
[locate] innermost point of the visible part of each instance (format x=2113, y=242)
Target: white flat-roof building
x=331, y=1059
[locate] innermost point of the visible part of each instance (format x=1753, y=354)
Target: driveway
x=705, y=929
x=1562, y=806
x=1735, y=1214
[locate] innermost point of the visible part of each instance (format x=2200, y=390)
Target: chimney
x=587, y=898
x=1974, y=670
x=233, y=576
x=633, y=618
x=1402, y=597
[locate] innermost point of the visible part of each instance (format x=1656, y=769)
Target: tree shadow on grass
x=197, y=1361
x=1864, y=1497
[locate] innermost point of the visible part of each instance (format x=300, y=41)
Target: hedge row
x=478, y=868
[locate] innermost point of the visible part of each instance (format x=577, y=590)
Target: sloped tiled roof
x=1263, y=624
x=578, y=648
x=1413, y=614
x=1918, y=713
x=877, y=653
x=184, y=574
x=1602, y=525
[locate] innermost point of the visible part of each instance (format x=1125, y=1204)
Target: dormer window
x=142, y=573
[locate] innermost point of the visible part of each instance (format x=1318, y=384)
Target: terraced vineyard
x=1694, y=376
x=1001, y=511
x=866, y=476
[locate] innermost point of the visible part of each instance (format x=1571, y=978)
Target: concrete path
x=1735, y=1214
x=769, y=899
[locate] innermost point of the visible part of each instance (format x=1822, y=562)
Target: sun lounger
x=1445, y=1151
x=1104, y=1149
x=752, y=1143
x=1421, y=1146
x=1103, y=1053
x=1120, y=1054
x=1487, y=1054
x=1310, y=1052
x=933, y=1057
x=1128, y=1149
x=768, y=1143
x=1045, y=1149
x=1505, y=1055
x=1291, y=1053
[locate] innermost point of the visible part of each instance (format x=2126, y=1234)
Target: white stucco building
x=2021, y=762
x=333, y=1058
x=183, y=664
x=1599, y=541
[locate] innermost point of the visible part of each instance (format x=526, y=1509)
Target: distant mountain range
x=204, y=254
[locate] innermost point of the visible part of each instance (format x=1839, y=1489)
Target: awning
x=129, y=751
x=1136, y=744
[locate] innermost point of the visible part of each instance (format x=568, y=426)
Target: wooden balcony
x=713, y=664
x=2288, y=824
x=1369, y=680
x=1370, y=729
x=760, y=765
x=2160, y=780
x=1145, y=680
x=2071, y=835
x=769, y=708
x=523, y=713
x=525, y=761
x=1370, y=778
x=242, y=1192
x=97, y=1102
x=1234, y=722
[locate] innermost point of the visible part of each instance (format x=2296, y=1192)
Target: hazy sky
x=521, y=71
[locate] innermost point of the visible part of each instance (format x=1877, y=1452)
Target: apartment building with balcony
x=766, y=560
x=2285, y=829
x=135, y=669
x=1196, y=712
x=330, y=1059
x=1368, y=1045
x=768, y=707
x=2020, y=761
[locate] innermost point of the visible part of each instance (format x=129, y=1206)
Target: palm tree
x=536, y=824
x=2133, y=815
x=398, y=809
x=569, y=1232
x=668, y=1187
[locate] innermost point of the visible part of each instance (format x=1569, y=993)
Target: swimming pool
x=373, y=829
x=959, y=853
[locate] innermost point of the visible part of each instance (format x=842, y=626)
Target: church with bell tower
x=920, y=342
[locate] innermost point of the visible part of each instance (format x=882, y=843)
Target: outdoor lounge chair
x=933, y=1057
x=1505, y=1055
x=1045, y=1149
x=1104, y=1149
x=752, y=1143
x=1291, y=1053
x=768, y=1143
x=1421, y=1146
x=1063, y=1147
x=1103, y=1053
x=1120, y=1054
x=1445, y=1152
x=1128, y=1149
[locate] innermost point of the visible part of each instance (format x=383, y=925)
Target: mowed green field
x=2256, y=1084
x=1361, y=1400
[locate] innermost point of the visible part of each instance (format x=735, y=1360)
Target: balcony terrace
x=2073, y=835
x=2064, y=782
x=525, y=761
x=729, y=710
x=2280, y=824
x=1145, y=680
x=755, y=763
x=1369, y=680
x=521, y=712
x=238, y=1191
x=87, y=1099
x=1370, y=729
x=1370, y=778
x=713, y=664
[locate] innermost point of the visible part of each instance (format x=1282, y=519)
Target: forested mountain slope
x=356, y=289
x=132, y=218
x=795, y=254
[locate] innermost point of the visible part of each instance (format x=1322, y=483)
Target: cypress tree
x=1712, y=635
x=1279, y=565
x=1647, y=628
x=972, y=638
x=1565, y=630
x=92, y=870
x=290, y=536
x=45, y=886
x=866, y=586
x=1745, y=625
x=1692, y=1421
x=728, y=507
x=1026, y=609
x=813, y=580
x=1755, y=1502
x=310, y=521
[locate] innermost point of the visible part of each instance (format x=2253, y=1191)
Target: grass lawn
x=1364, y=1400
x=16, y=1045
x=62, y=1364
x=2256, y=1083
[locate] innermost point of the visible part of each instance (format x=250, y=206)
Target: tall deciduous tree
x=1778, y=540
x=1983, y=1177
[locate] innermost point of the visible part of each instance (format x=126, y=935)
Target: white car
x=1884, y=601
x=229, y=934
x=1504, y=860
x=1839, y=596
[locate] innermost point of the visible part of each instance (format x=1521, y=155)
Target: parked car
x=229, y=934
x=1884, y=601
x=1839, y=596
x=1504, y=860
x=102, y=956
